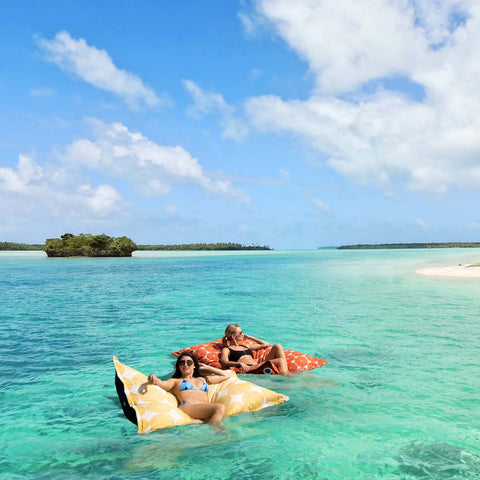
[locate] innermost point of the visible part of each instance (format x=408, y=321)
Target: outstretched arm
x=259, y=343
x=165, y=384
x=215, y=375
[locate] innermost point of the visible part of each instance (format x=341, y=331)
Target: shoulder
x=203, y=379
x=171, y=384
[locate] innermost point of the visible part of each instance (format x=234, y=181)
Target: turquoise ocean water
x=399, y=398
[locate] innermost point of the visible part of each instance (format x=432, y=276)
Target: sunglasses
x=186, y=362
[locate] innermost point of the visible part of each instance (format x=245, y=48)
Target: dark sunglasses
x=186, y=362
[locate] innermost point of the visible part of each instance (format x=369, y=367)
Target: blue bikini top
x=186, y=385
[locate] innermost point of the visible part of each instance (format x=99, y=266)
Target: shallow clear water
x=398, y=399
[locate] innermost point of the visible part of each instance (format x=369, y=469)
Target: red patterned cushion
x=296, y=361
x=209, y=353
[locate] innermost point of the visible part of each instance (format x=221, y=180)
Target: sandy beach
x=468, y=270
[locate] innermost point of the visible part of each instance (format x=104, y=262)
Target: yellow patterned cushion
x=240, y=396
x=156, y=408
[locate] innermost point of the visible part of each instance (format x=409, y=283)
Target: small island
x=87, y=245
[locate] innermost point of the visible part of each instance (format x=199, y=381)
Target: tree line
x=204, y=246
x=69, y=245
x=410, y=245
x=20, y=246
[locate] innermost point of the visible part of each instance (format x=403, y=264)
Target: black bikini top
x=235, y=355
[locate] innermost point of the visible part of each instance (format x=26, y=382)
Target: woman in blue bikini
x=191, y=389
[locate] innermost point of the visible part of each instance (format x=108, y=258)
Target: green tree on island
x=87, y=245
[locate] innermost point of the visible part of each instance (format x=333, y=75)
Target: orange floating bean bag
x=209, y=353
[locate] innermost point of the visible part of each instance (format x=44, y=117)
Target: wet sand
x=465, y=271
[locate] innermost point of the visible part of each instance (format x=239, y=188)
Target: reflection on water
x=295, y=382
x=438, y=461
x=170, y=449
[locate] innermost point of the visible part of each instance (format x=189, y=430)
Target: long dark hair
x=196, y=367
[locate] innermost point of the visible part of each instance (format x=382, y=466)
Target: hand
x=244, y=366
x=152, y=378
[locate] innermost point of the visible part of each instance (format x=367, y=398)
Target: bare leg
x=211, y=412
x=278, y=358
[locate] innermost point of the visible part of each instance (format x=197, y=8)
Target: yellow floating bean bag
x=156, y=408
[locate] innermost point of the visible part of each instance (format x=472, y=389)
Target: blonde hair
x=229, y=331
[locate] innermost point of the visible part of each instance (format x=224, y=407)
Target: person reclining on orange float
x=236, y=354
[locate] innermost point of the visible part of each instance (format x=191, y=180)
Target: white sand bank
x=466, y=271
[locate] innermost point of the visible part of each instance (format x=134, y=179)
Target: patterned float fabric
x=156, y=409
x=296, y=361
x=209, y=353
x=267, y=368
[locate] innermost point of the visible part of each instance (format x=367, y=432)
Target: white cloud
x=46, y=191
x=102, y=200
x=339, y=39
x=436, y=18
x=151, y=168
x=97, y=68
x=28, y=174
x=347, y=42
x=422, y=223
x=248, y=22
x=52, y=197
x=431, y=143
x=206, y=103
x=55, y=197
x=320, y=204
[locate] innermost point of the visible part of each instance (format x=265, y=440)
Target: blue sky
x=292, y=124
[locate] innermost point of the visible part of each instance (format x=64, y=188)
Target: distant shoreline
x=14, y=247
x=203, y=247
x=379, y=246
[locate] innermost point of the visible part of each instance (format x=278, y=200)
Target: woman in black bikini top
x=235, y=354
